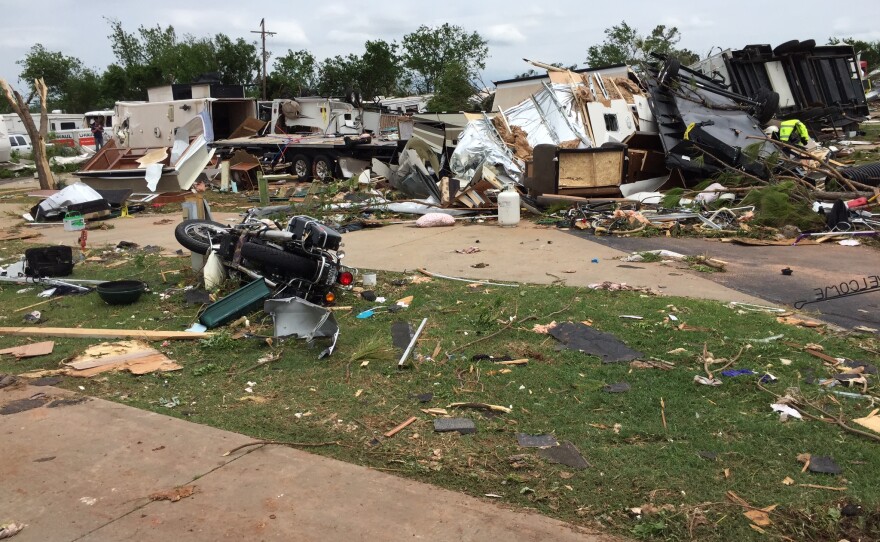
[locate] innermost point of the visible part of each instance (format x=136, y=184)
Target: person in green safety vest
x=793, y=132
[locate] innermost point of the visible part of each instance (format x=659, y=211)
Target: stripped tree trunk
x=38, y=136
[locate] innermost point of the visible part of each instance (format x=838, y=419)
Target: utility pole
x=263, y=34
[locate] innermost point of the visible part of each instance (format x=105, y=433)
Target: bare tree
x=38, y=136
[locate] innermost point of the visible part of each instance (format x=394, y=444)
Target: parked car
x=20, y=143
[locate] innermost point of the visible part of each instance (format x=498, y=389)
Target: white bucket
x=369, y=280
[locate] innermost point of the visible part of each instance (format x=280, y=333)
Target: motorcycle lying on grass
x=301, y=260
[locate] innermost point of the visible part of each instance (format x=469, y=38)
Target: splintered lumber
x=133, y=356
x=38, y=304
x=513, y=362
x=72, y=332
x=481, y=406
x=400, y=427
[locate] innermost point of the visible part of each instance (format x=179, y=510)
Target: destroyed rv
x=609, y=132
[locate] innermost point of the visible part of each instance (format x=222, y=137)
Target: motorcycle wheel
x=293, y=264
x=197, y=234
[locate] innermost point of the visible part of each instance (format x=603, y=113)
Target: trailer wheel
x=301, y=166
x=786, y=47
x=199, y=235
x=323, y=168
x=806, y=46
x=769, y=105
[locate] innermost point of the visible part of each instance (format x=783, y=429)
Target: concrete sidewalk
x=526, y=254
x=84, y=472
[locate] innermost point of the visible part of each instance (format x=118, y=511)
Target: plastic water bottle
x=508, y=207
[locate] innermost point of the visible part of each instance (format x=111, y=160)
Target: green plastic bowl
x=121, y=292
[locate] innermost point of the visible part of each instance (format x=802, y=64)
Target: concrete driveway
x=758, y=271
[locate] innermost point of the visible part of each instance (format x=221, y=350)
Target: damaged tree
x=38, y=136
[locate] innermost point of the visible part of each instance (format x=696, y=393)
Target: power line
x=262, y=32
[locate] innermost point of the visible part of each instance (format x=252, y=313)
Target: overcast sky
x=551, y=31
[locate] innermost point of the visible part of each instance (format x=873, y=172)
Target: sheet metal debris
x=565, y=454
x=296, y=317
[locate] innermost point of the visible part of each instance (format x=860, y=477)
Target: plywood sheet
x=250, y=127
x=30, y=350
x=590, y=169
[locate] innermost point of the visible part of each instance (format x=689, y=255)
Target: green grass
x=343, y=400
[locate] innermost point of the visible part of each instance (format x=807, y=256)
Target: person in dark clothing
x=98, y=133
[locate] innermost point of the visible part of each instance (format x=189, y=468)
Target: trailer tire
x=323, y=168
x=769, y=105
x=806, y=46
x=301, y=166
x=192, y=234
x=298, y=266
x=786, y=48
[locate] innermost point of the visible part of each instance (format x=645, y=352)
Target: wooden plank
x=609, y=191
x=102, y=333
x=513, y=362
x=823, y=357
x=550, y=199
x=400, y=427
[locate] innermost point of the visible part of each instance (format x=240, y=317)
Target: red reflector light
x=346, y=278
x=330, y=297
